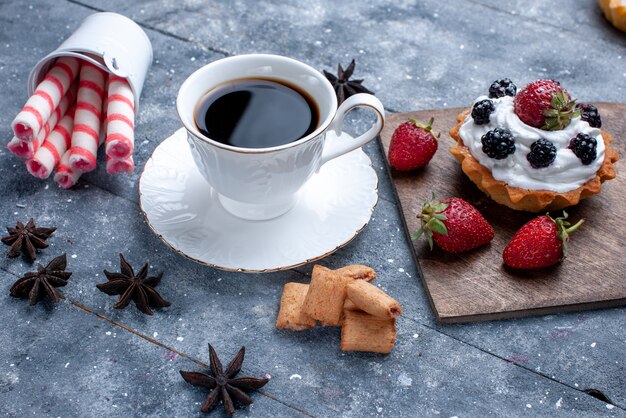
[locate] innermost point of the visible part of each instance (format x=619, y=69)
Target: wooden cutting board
x=475, y=286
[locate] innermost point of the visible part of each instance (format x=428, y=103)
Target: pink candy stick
x=120, y=165
x=55, y=145
x=120, y=122
x=66, y=176
x=125, y=164
x=37, y=110
x=27, y=149
x=86, y=134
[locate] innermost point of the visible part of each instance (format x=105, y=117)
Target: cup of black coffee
x=257, y=128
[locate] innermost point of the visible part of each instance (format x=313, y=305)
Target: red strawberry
x=453, y=224
x=545, y=104
x=539, y=243
x=413, y=144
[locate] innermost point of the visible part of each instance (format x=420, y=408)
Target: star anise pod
x=344, y=87
x=26, y=239
x=223, y=384
x=35, y=285
x=139, y=288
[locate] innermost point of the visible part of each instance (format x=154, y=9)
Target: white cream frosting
x=565, y=173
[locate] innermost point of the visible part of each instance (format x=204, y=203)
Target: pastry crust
x=523, y=199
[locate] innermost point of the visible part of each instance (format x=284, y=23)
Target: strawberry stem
x=564, y=228
x=561, y=112
x=431, y=220
x=427, y=126
x=575, y=226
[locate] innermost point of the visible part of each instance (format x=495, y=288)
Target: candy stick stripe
x=56, y=144
x=50, y=147
x=68, y=70
x=45, y=96
x=67, y=136
x=88, y=84
x=86, y=156
x=118, y=137
x=87, y=130
x=38, y=108
x=57, y=83
x=121, y=118
x=89, y=107
x=120, y=98
x=88, y=118
x=64, y=169
x=35, y=112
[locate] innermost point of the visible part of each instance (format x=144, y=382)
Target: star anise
x=139, y=288
x=35, y=285
x=223, y=384
x=344, y=87
x=26, y=239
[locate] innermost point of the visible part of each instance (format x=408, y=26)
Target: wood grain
x=475, y=286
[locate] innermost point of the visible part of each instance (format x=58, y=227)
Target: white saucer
x=183, y=210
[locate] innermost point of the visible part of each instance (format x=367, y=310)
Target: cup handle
x=340, y=146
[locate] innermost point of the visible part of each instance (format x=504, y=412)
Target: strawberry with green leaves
x=413, y=144
x=454, y=225
x=546, y=105
x=540, y=243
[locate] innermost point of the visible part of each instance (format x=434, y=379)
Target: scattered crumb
x=559, y=402
x=74, y=256
x=179, y=338
x=108, y=333
x=20, y=205
x=404, y=380
x=295, y=377
x=66, y=364
x=415, y=335
x=609, y=406
x=593, y=345
x=156, y=334
x=528, y=405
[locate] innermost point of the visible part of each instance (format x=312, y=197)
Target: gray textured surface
x=66, y=361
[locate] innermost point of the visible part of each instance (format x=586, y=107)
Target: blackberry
x=589, y=113
x=542, y=153
x=584, y=147
x=498, y=143
x=481, y=111
x=501, y=88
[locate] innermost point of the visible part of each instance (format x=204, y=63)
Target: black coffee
x=256, y=113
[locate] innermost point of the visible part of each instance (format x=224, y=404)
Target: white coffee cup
x=263, y=183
